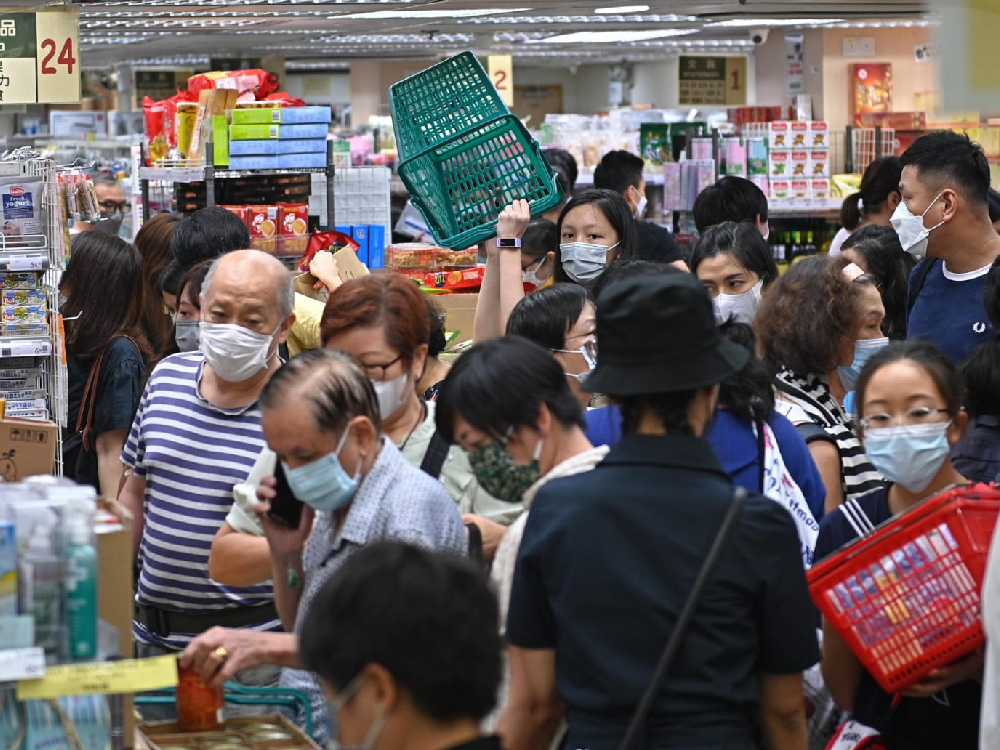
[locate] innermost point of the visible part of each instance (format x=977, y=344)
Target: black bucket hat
x=657, y=334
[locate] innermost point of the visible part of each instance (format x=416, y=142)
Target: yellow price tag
x=109, y=677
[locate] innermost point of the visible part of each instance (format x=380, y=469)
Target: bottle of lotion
x=81, y=589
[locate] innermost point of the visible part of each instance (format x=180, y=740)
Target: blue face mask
x=864, y=350
x=909, y=456
x=323, y=484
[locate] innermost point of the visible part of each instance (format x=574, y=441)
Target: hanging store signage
x=502, y=74
x=39, y=57
x=712, y=81
x=160, y=84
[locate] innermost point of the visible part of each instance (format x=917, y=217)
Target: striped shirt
x=812, y=394
x=190, y=454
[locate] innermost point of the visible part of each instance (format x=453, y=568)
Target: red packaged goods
x=326, y=240
x=263, y=225
x=286, y=99
x=293, y=225
x=255, y=81
x=456, y=281
x=160, y=119
x=906, y=598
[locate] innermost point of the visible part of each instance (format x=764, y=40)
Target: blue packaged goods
x=253, y=162
x=277, y=148
x=376, y=246
x=306, y=115
x=302, y=161
x=21, y=207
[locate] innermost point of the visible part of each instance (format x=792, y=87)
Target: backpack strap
x=475, y=543
x=919, y=278
x=759, y=424
x=434, y=458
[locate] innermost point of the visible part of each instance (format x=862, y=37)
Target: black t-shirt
x=656, y=243
x=119, y=388
x=605, y=565
x=947, y=720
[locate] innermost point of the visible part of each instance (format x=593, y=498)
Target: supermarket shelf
x=36, y=346
x=804, y=208
x=197, y=174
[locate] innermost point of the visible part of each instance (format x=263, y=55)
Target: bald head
x=257, y=278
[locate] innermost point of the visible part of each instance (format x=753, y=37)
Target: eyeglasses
x=377, y=372
x=110, y=205
x=588, y=351
x=921, y=415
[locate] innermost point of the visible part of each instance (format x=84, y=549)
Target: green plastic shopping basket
x=444, y=101
x=461, y=186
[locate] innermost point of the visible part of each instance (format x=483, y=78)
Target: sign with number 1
x=39, y=57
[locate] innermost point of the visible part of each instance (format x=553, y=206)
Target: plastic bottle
x=41, y=589
x=81, y=590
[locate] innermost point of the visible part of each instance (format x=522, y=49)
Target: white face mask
x=738, y=307
x=640, y=209
x=912, y=233
x=531, y=275
x=584, y=261
x=233, y=352
x=391, y=394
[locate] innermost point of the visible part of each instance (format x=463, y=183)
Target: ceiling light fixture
x=747, y=23
x=613, y=37
x=390, y=15
x=621, y=9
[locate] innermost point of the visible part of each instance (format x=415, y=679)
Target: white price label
x=22, y=664
x=30, y=348
x=25, y=263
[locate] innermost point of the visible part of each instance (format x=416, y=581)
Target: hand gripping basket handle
x=684, y=619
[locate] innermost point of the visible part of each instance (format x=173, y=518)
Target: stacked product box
x=798, y=160
x=22, y=386
x=279, y=138
x=281, y=229
x=24, y=305
x=371, y=242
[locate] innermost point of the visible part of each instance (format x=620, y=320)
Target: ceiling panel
x=308, y=31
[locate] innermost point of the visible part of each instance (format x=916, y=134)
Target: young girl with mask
x=910, y=396
x=735, y=264
x=596, y=228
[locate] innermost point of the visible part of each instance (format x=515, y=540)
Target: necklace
x=420, y=420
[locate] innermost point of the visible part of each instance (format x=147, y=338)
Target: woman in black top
x=910, y=401
x=103, y=317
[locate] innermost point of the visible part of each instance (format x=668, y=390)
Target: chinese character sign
x=712, y=81
x=39, y=57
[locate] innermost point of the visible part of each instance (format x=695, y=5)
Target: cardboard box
x=277, y=148
x=360, y=235
x=114, y=591
x=257, y=116
x=779, y=135
x=263, y=225
x=781, y=189
x=820, y=189
x=376, y=246
x=220, y=140
x=819, y=134
x=800, y=133
x=27, y=448
x=460, y=313
x=306, y=115
x=779, y=164
x=293, y=225
x=819, y=163
x=800, y=163
x=801, y=189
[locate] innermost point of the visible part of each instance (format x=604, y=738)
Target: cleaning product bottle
x=41, y=589
x=81, y=589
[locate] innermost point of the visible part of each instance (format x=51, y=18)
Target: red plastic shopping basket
x=906, y=598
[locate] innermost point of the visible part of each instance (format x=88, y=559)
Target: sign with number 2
x=39, y=57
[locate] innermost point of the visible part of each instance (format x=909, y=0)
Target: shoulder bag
x=79, y=454
x=684, y=619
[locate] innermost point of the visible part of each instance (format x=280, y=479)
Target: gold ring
x=221, y=653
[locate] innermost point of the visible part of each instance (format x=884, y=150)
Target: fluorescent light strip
x=390, y=15
x=748, y=23
x=669, y=18
x=622, y=9
x=612, y=37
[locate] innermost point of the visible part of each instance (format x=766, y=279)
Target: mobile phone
x=286, y=509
